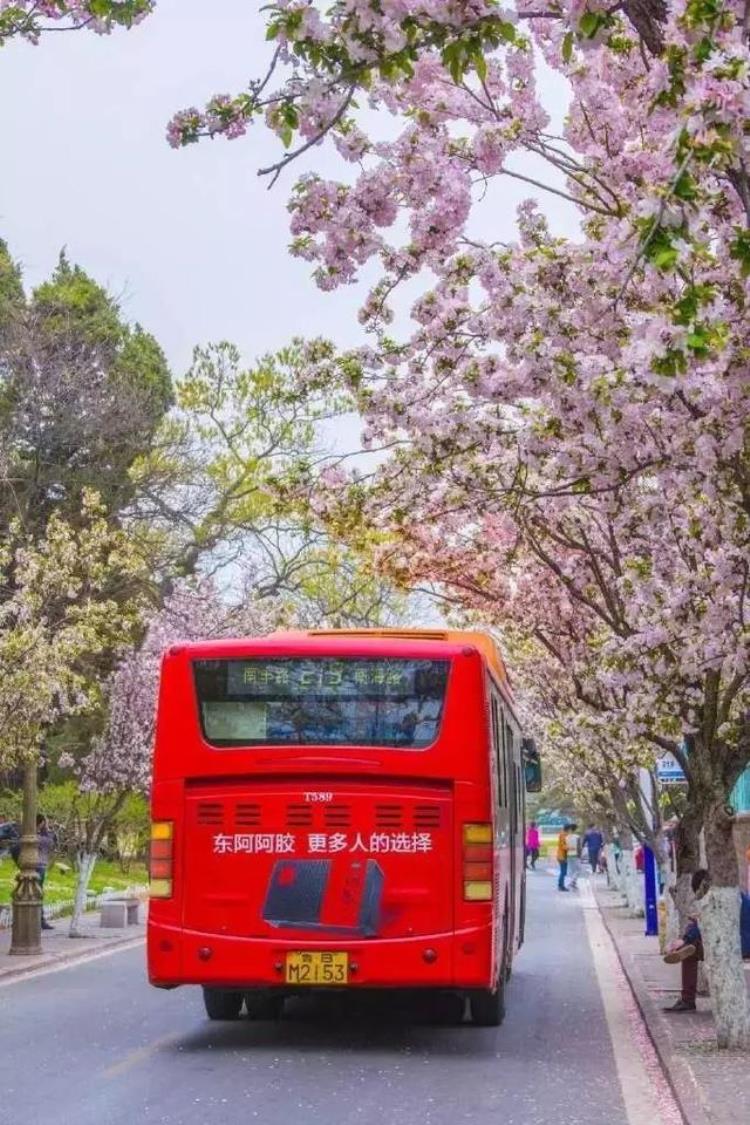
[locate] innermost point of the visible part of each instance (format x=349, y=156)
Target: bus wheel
x=263, y=1005
x=222, y=1005
x=488, y=1008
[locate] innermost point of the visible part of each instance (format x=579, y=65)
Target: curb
x=53, y=962
x=677, y=1070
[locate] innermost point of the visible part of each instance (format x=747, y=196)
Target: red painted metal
x=338, y=849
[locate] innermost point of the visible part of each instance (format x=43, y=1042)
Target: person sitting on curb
x=688, y=952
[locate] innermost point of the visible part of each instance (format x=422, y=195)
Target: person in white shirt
x=574, y=855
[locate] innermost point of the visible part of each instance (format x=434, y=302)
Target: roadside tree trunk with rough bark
x=629, y=875
x=85, y=863
x=687, y=854
x=720, y=929
x=96, y=815
x=613, y=874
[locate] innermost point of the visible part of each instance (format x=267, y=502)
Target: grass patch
x=60, y=884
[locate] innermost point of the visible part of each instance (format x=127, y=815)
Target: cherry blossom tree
x=641, y=610
x=32, y=19
x=580, y=402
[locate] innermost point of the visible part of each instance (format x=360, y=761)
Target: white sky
x=190, y=241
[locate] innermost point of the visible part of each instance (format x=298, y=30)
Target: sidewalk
x=711, y=1087
x=59, y=949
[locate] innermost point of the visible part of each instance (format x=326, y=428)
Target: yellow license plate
x=317, y=968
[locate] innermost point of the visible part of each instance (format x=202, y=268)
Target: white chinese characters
x=255, y=843
x=322, y=843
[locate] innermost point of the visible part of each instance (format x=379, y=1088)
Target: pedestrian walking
x=46, y=843
x=562, y=857
x=574, y=855
x=593, y=842
x=532, y=845
x=617, y=853
x=603, y=864
x=8, y=836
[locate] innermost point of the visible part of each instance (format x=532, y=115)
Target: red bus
x=337, y=809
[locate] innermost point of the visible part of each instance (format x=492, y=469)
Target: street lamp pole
x=26, y=939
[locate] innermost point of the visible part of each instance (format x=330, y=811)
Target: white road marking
x=70, y=963
x=642, y=1103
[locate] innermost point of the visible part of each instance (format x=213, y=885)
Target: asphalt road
x=95, y=1045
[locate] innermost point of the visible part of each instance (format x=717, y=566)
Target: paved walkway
x=59, y=949
x=712, y=1087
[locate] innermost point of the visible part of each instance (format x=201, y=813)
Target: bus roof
x=485, y=643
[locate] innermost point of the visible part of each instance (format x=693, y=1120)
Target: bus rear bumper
x=462, y=959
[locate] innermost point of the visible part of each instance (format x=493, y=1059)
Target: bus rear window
x=321, y=701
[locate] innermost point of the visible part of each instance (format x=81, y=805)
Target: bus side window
x=493, y=746
x=511, y=744
x=498, y=749
x=513, y=798
x=505, y=752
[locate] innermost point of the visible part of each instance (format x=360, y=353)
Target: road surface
x=95, y=1045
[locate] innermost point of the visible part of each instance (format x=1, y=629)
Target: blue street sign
x=669, y=771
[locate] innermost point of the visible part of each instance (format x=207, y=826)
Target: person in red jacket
x=532, y=845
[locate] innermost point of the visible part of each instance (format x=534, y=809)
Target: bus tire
x=222, y=1004
x=487, y=1007
x=261, y=1004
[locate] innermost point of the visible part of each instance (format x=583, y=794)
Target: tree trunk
x=632, y=887
x=85, y=863
x=673, y=931
x=720, y=930
x=632, y=883
x=614, y=878
x=684, y=900
x=703, y=987
x=687, y=858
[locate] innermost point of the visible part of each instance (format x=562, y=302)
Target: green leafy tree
x=66, y=599
x=82, y=394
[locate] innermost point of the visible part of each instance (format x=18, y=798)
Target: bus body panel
x=356, y=849
x=461, y=960
x=290, y=857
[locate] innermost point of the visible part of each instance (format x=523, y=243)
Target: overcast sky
x=190, y=241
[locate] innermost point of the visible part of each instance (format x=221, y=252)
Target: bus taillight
x=477, y=857
x=161, y=857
